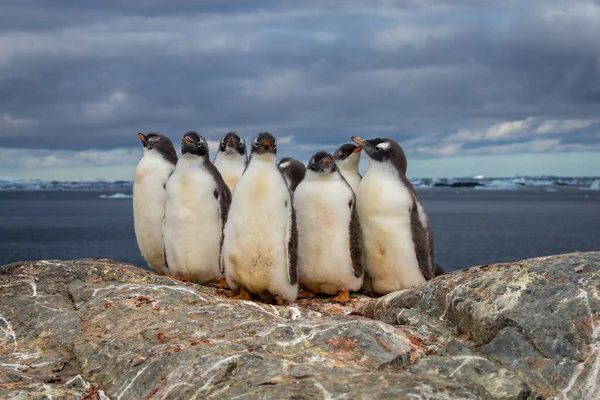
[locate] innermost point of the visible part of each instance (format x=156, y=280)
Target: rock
x=101, y=329
x=536, y=321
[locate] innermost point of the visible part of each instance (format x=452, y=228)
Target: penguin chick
x=347, y=158
x=196, y=211
x=293, y=171
x=329, y=235
x=231, y=159
x=397, y=237
x=151, y=175
x=261, y=240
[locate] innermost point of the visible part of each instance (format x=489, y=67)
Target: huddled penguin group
x=267, y=229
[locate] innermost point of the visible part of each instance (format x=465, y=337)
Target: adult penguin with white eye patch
x=151, y=175
x=195, y=214
x=347, y=159
x=398, y=242
x=329, y=234
x=293, y=171
x=260, y=248
x=231, y=158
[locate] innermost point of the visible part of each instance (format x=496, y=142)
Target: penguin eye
x=241, y=143
x=255, y=144
x=274, y=144
x=313, y=165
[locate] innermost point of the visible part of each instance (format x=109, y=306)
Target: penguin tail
x=438, y=270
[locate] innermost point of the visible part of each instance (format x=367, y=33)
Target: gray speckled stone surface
x=101, y=329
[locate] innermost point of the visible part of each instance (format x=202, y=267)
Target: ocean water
x=471, y=227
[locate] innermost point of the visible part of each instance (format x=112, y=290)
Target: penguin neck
x=267, y=158
x=317, y=177
x=193, y=160
x=233, y=158
x=348, y=168
x=383, y=169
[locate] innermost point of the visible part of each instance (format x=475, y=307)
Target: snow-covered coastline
x=476, y=183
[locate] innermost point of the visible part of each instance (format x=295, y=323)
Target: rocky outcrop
x=100, y=329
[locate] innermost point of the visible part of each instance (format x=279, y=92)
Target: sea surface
x=471, y=227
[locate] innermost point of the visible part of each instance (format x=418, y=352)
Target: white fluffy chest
x=381, y=194
x=231, y=167
x=191, y=185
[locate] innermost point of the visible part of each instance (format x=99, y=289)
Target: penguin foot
x=307, y=294
x=343, y=297
x=242, y=295
x=178, y=278
x=279, y=301
x=222, y=284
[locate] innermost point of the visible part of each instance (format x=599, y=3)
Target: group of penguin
x=265, y=228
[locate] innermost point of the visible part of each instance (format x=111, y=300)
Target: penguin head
x=321, y=163
x=232, y=144
x=348, y=155
x=155, y=142
x=284, y=163
x=264, y=144
x=384, y=150
x=193, y=143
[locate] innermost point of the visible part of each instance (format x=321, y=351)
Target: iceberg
x=116, y=196
x=498, y=184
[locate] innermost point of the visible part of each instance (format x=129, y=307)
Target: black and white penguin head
x=348, y=155
x=194, y=144
x=264, y=145
x=155, y=142
x=232, y=144
x=321, y=163
x=384, y=151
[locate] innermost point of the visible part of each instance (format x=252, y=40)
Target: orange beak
x=357, y=150
x=186, y=140
x=142, y=137
x=326, y=160
x=359, y=141
x=266, y=144
x=231, y=141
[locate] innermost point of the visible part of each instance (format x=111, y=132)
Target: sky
x=470, y=87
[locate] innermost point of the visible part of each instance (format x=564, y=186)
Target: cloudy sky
x=467, y=87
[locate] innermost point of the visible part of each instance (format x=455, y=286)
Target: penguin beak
x=186, y=141
x=357, y=150
x=142, y=138
x=359, y=142
x=231, y=141
x=326, y=161
x=266, y=144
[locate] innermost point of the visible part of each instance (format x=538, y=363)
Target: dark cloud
x=441, y=77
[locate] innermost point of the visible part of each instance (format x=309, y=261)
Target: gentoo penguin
x=329, y=235
x=231, y=158
x=151, y=175
x=261, y=240
x=195, y=213
x=397, y=237
x=293, y=171
x=347, y=158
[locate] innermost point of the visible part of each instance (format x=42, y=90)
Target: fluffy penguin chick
x=347, y=158
x=398, y=244
x=151, y=175
x=196, y=210
x=293, y=171
x=329, y=235
x=260, y=245
x=231, y=158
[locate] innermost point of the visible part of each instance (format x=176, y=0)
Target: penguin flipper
x=223, y=197
x=356, y=241
x=292, y=246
